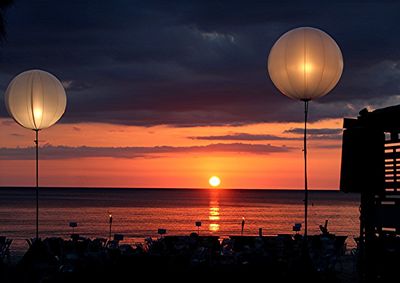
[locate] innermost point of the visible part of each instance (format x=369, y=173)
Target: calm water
x=139, y=213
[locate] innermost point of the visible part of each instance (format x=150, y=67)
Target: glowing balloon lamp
x=36, y=100
x=304, y=64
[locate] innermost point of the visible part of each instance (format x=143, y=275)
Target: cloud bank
x=49, y=152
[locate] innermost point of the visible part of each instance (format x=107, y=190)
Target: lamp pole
x=110, y=221
x=305, y=168
x=37, y=182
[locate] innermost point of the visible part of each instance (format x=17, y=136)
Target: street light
x=110, y=220
x=198, y=225
x=304, y=64
x=36, y=100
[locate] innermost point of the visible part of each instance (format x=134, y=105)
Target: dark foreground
x=283, y=258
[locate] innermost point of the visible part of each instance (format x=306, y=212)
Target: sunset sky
x=169, y=93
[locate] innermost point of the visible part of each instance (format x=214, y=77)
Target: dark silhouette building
x=371, y=166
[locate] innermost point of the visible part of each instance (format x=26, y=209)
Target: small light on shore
x=110, y=228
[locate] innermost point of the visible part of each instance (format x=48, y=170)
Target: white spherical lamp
x=304, y=64
x=36, y=100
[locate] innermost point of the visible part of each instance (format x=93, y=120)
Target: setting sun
x=214, y=181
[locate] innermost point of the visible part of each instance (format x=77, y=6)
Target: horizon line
x=163, y=188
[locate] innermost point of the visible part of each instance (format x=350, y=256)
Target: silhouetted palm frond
x=4, y=4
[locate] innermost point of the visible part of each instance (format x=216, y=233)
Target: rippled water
x=138, y=213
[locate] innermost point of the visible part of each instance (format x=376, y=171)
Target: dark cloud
x=328, y=146
x=242, y=137
x=321, y=131
x=8, y=123
x=314, y=134
x=17, y=135
x=189, y=63
x=64, y=152
x=318, y=134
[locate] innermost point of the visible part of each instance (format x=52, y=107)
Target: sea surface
x=138, y=213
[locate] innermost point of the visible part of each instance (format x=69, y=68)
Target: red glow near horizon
x=180, y=168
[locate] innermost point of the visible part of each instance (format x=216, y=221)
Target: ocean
x=139, y=213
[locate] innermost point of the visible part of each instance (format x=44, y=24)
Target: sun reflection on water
x=214, y=227
x=214, y=215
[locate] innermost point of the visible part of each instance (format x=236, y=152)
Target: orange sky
x=188, y=169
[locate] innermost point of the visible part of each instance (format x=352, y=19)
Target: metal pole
x=110, y=226
x=37, y=183
x=305, y=169
x=361, y=241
